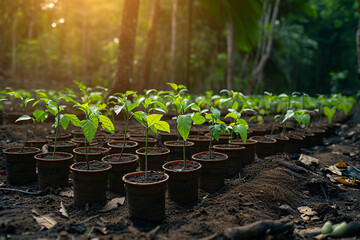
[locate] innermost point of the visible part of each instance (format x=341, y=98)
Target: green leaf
x=69, y=99
x=132, y=106
x=27, y=100
x=89, y=128
x=215, y=131
x=198, y=119
x=153, y=118
x=64, y=122
x=302, y=118
x=216, y=112
x=140, y=116
x=128, y=93
x=184, y=125
x=242, y=130
x=329, y=113
x=162, y=126
x=74, y=119
x=23, y=118
x=173, y=86
x=231, y=115
x=106, y=123
x=40, y=115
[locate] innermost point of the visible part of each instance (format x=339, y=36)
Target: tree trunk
x=358, y=42
x=125, y=60
x=85, y=42
x=150, y=46
x=188, y=45
x=259, y=67
x=230, y=54
x=173, y=41
x=13, y=46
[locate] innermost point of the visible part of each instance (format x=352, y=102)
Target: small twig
x=43, y=192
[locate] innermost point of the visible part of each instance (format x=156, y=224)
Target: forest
x=249, y=46
x=180, y=119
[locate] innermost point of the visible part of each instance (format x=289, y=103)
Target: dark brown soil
x=120, y=144
x=50, y=156
x=143, y=139
x=152, y=177
x=94, y=165
x=207, y=156
x=124, y=158
x=180, y=167
x=91, y=150
x=226, y=146
x=62, y=144
x=269, y=188
x=265, y=139
x=178, y=144
x=154, y=151
x=25, y=150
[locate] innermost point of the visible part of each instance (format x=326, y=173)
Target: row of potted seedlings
x=97, y=167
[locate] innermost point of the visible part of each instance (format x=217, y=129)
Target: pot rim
x=69, y=144
x=8, y=151
x=276, y=137
x=169, y=143
x=120, y=163
x=143, y=184
x=176, y=162
x=273, y=140
x=222, y=147
x=210, y=160
x=199, y=138
x=69, y=157
x=139, y=151
x=92, y=154
x=86, y=171
x=248, y=142
x=150, y=139
x=111, y=144
x=52, y=136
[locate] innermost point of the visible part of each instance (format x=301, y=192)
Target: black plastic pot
x=176, y=149
x=89, y=185
x=183, y=185
x=155, y=160
x=21, y=166
x=118, y=170
x=80, y=155
x=116, y=146
x=53, y=172
x=201, y=143
x=249, y=153
x=212, y=172
x=234, y=162
x=265, y=146
x=146, y=200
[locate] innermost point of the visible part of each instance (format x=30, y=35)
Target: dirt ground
x=270, y=188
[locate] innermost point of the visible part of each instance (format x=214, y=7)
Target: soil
x=62, y=144
x=124, y=158
x=25, y=150
x=93, y=166
x=155, y=151
x=264, y=139
x=226, y=146
x=91, y=150
x=270, y=188
x=178, y=144
x=207, y=157
x=143, y=139
x=50, y=156
x=180, y=167
x=120, y=144
x=152, y=177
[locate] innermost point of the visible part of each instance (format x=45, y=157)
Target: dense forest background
x=245, y=45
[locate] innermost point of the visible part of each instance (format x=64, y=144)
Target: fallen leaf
x=68, y=193
x=114, y=203
x=341, y=165
x=308, y=160
x=307, y=211
x=63, y=210
x=346, y=181
x=45, y=221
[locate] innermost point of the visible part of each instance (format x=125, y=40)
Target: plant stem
x=86, y=155
x=211, y=139
x=57, y=129
x=146, y=151
x=124, y=143
x=29, y=136
x=184, y=145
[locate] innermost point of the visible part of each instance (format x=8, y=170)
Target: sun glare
x=61, y=20
x=53, y=25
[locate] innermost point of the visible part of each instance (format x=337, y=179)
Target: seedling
x=38, y=116
x=24, y=96
x=154, y=123
x=184, y=120
x=90, y=124
x=301, y=116
x=238, y=126
x=127, y=107
x=217, y=126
